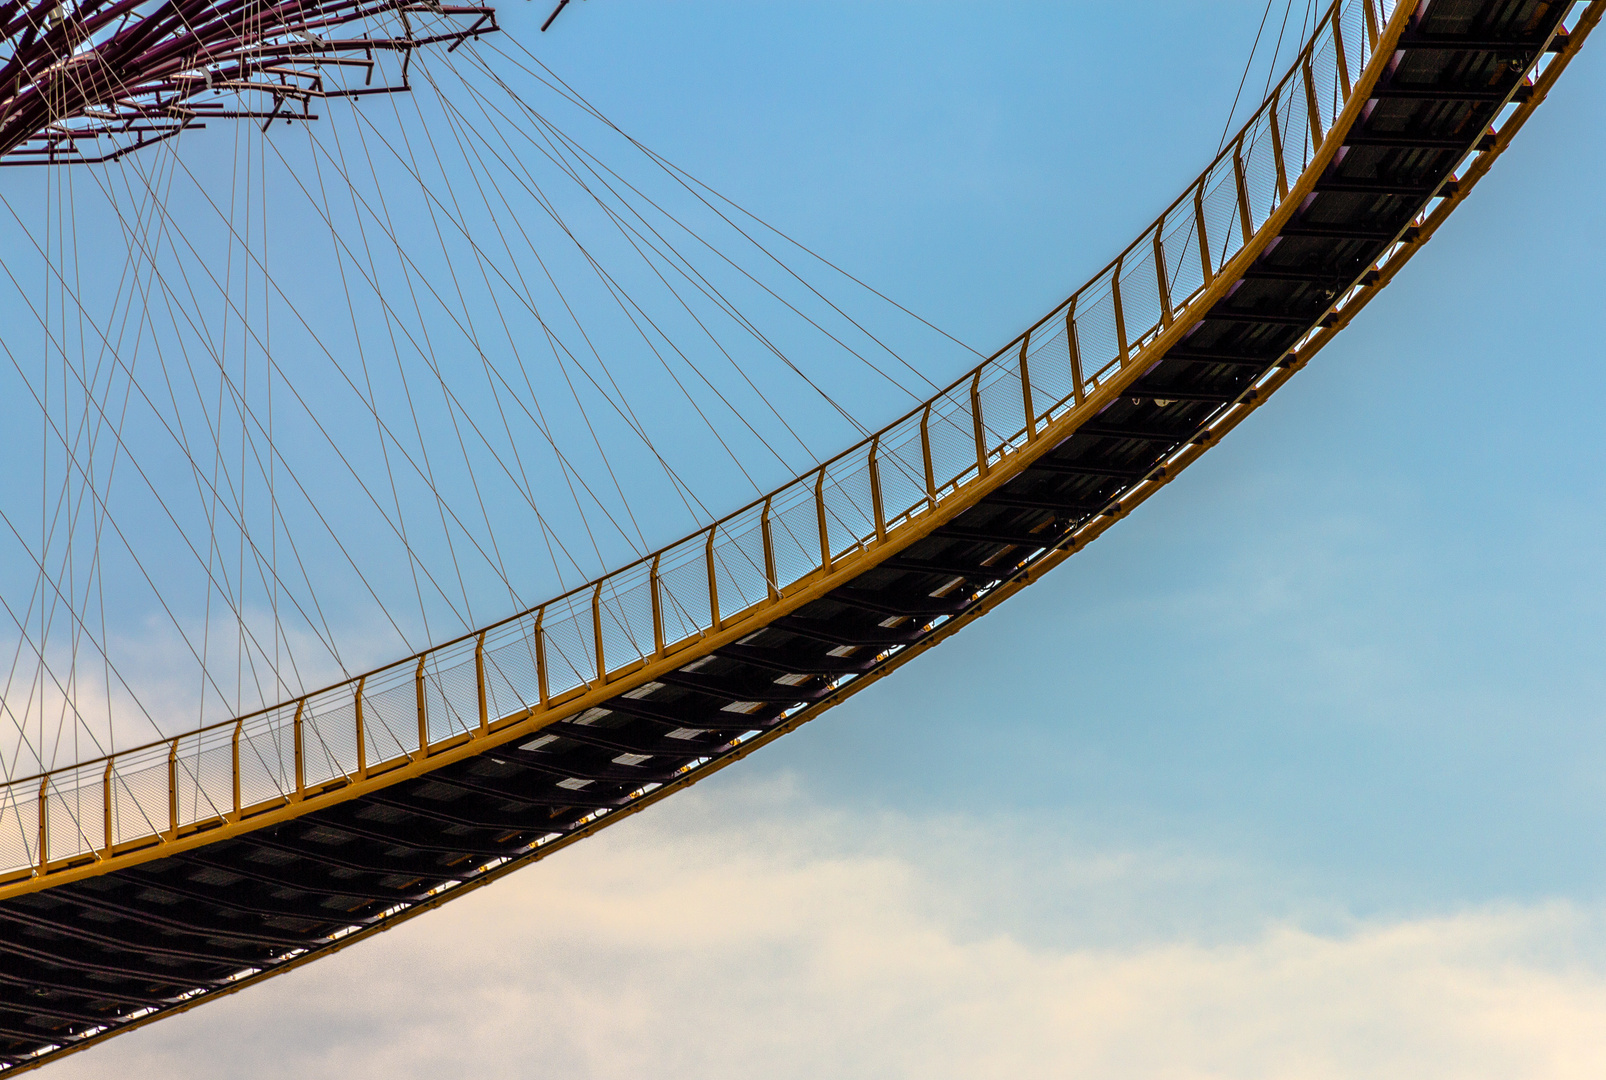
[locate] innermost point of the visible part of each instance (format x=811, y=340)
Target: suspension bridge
x=142, y=882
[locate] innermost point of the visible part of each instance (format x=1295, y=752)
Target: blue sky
x=1314, y=738
x=1357, y=640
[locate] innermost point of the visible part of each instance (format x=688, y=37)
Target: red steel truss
x=93, y=80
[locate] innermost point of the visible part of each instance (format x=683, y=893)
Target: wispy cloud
x=758, y=935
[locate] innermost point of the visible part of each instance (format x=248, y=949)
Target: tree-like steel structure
x=93, y=80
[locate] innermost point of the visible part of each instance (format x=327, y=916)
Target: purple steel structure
x=92, y=80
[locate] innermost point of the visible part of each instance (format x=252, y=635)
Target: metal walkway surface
x=137, y=886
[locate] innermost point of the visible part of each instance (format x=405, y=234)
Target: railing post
x=106, y=799
x=362, y=736
x=1245, y=218
x=234, y=755
x=300, y=753
x=981, y=432
x=769, y=550
x=44, y=823
x=596, y=633
x=172, y=790
x=876, y=506
x=479, y=683
x=1026, y=391
x=1162, y=279
x=713, y=583
x=1120, y=313
x=1277, y=150
x=423, y=713
x=925, y=454
x=1372, y=30
x=542, y=685
x=657, y=607
x=1074, y=347
x=1338, y=49
x=819, y=510
x=1205, y=257
x=1316, y=133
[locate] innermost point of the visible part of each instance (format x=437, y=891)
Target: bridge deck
x=100, y=952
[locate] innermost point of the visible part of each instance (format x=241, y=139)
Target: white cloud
x=753, y=935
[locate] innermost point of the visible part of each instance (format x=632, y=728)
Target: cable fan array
x=305, y=396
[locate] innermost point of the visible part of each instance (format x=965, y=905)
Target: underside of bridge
x=86, y=958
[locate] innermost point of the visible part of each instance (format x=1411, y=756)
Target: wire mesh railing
x=735, y=572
